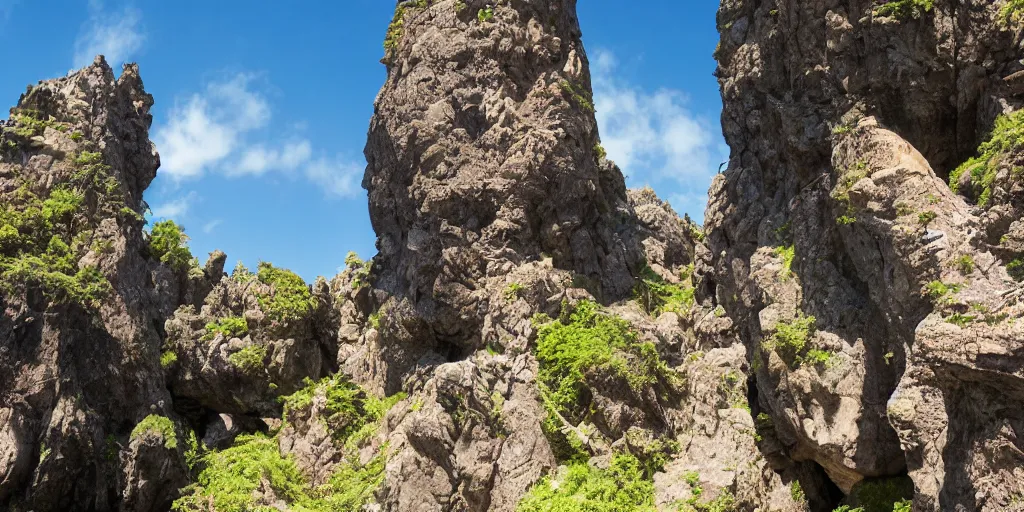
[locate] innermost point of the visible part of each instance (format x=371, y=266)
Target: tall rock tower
x=484, y=155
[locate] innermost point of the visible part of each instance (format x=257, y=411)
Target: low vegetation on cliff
x=253, y=472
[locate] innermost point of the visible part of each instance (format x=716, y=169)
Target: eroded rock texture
x=845, y=121
x=79, y=359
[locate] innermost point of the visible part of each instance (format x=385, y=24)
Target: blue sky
x=262, y=107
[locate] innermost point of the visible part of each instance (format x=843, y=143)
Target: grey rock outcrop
x=834, y=227
x=79, y=359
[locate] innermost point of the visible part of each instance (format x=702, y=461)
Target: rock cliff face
x=887, y=345
x=79, y=363
x=533, y=336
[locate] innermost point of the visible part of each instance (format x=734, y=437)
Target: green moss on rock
x=155, y=424
x=620, y=488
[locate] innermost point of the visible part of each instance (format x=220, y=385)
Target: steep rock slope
x=879, y=316
x=79, y=363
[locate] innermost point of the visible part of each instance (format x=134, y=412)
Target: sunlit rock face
x=846, y=121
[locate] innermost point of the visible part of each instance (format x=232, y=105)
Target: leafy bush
x=86, y=286
x=394, y=33
x=939, y=292
x=484, y=15
x=787, y=254
x=230, y=327
x=620, y=488
x=168, y=243
x=1012, y=12
x=882, y=494
x=513, y=292
x=289, y=299
x=790, y=341
x=160, y=425
x=965, y=264
x=348, y=407
x=1007, y=136
x=658, y=296
x=61, y=207
x=168, y=358
x=580, y=96
x=1016, y=269
x=360, y=270
x=231, y=475
x=249, y=359
x=903, y=9
x=572, y=352
x=926, y=218
x=796, y=492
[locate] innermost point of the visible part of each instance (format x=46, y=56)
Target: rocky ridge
x=533, y=336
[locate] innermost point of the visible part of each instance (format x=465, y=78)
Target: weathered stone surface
x=843, y=125
x=75, y=379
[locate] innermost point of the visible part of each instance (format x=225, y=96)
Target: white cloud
x=338, y=177
x=258, y=159
x=209, y=127
x=175, y=209
x=219, y=131
x=115, y=35
x=653, y=136
x=212, y=225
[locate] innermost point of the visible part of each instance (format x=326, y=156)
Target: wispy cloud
x=654, y=136
x=218, y=131
x=212, y=225
x=117, y=35
x=337, y=176
x=176, y=208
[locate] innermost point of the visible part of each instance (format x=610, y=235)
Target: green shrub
x=1012, y=12
x=168, y=243
x=620, y=488
x=87, y=286
x=513, y=292
x=582, y=98
x=61, y=207
x=230, y=327
x=796, y=492
x=289, y=299
x=960, y=319
x=583, y=346
x=599, y=152
x=789, y=340
x=845, y=220
x=394, y=33
x=88, y=158
x=361, y=271
x=903, y=505
x=658, y=296
x=348, y=408
x=787, y=254
x=939, y=292
x=965, y=264
x=484, y=15
x=1007, y=136
x=168, y=358
x=230, y=477
x=1016, y=269
x=926, y=218
x=903, y=9
x=160, y=425
x=249, y=359
x=882, y=494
